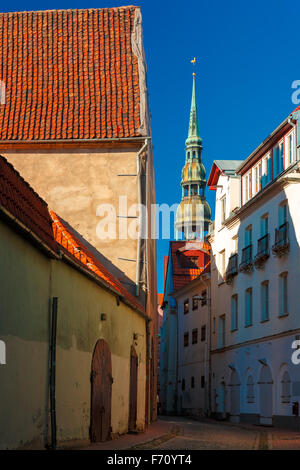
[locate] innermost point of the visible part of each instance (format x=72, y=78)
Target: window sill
x=248, y=326
x=265, y=320
x=283, y=315
x=234, y=329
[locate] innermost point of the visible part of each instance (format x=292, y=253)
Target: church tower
x=193, y=214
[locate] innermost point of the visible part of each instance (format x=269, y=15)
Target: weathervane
x=193, y=61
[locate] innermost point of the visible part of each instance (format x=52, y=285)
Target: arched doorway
x=266, y=396
x=235, y=397
x=133, y=390
x=101, y=384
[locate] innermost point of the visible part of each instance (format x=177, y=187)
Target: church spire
x=193, y=213
x=193, y=126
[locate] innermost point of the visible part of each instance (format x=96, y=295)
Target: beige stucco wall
x=75, y=182
x=25, y=290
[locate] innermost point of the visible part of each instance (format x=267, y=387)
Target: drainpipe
x=138, y=258
x=53, y=372
x=148, y=372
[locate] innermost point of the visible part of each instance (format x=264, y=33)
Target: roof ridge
x=123, y=7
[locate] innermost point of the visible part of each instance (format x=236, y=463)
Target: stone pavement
x=181, y=433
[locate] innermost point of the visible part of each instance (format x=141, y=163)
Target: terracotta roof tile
x=189, y=260
x=69, y=74
x=23, y=203
x=81, y=254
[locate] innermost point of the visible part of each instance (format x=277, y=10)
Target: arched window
x=186, y=191
x=188, y=154
x=194, y=154
x=194, y=190
x=286, y=388
x=250, y=390
x=183, y=385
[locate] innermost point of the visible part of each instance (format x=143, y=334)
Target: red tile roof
x=22, y=202
x=184, y=255
x=69, y=243
x=160, y=298
x=69, y=74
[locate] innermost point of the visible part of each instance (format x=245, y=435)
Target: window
x=186, y=306
x=248, y=236
x=203, y=333
x=203, y=298
x=221, y=332
x=250, y=390
x=183, y=385
x=195, y=303
x=195, y=336
x=283, y=294
x=194, y=190
x=223, y=209
x=192, y=382
x=247, y=187
x=257, y=178
x=235, y=244
x=265, y=301
x=290, y=149
x=264, y=225
x=266, y=169
x=214, y=324
x=277, y=159
x=221, y=265
x=282, y=213
x=234, y=312
x=248, y=307
x=286, y=388
x=202, y=381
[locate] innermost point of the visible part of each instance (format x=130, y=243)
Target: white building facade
x=255, y=283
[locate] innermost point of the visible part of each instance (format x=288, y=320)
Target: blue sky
x=247, y=58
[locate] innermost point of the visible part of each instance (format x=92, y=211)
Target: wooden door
x=133, y=390
x=101, y=382
x=266, y=396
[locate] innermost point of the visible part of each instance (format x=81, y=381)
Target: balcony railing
x=263, y=251
x=232, y=268
x=246, y=264
x=282, y=242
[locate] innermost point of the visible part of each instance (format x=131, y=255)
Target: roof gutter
x=281, y=126
x=37, y=239
x=65, y=141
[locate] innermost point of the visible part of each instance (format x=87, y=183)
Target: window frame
x=249, y=319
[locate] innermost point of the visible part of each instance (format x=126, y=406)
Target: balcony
x=263, y=251
x=282, y=242
x=246, y=265
x=232, y=268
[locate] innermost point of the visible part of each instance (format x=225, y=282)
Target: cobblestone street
x=178, y=433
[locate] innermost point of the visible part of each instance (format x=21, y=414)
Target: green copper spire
x=193, y=214
x=193, y=127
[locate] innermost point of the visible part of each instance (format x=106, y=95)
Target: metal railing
x=281, y=235
x=263, y=245
x=232, y=267
x=247, y=254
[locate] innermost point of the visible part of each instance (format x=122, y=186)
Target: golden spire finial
x=193, y=61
